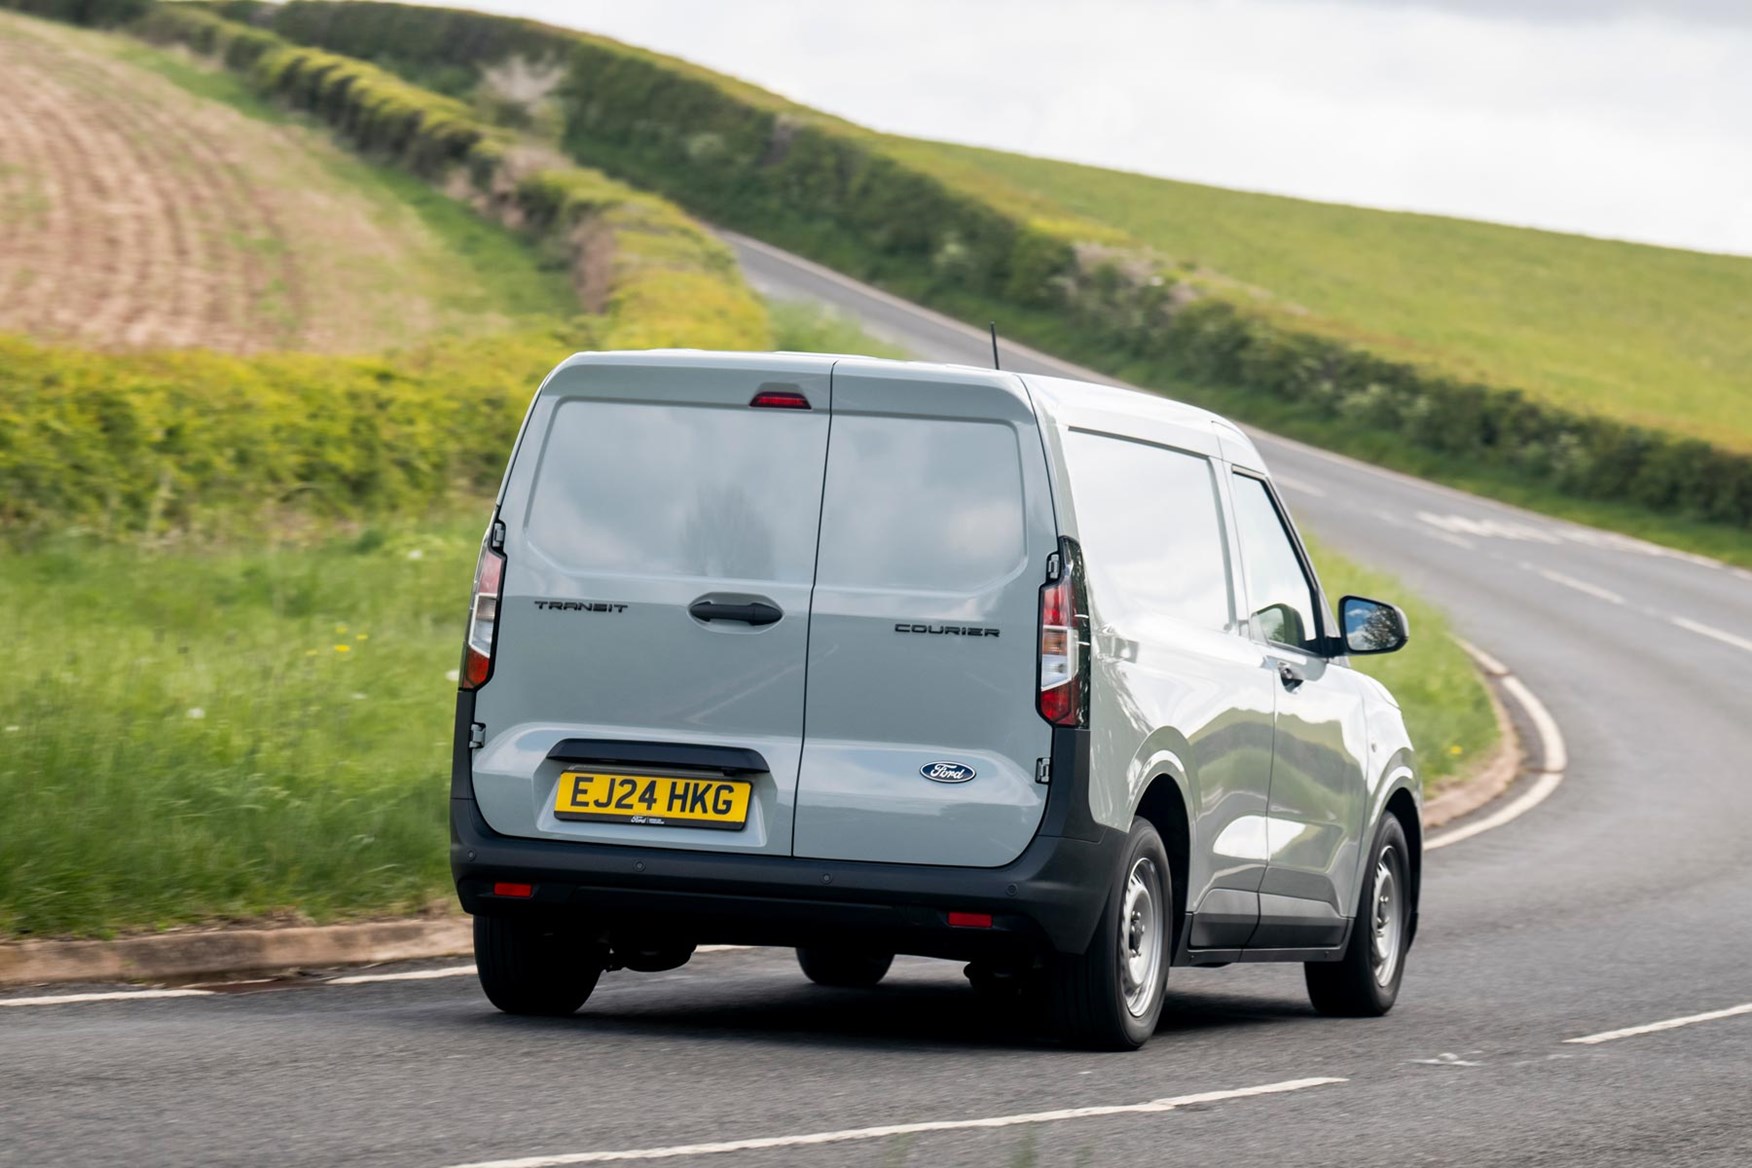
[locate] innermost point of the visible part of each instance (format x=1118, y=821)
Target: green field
x=1650, y=335
x=223, y=735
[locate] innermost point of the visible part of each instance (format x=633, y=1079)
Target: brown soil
x=136, y=214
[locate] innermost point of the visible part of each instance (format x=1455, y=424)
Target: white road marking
x=1655, y=1027
x=116, y=996
x=349, y=980
x=1595, y=590
x=1489, y=528
x=1448, y=537
x=1485, y=661
x=1298, y=485
x=1552, y=750
x=814, y=1139
x=1710, y=631
x=412, y=975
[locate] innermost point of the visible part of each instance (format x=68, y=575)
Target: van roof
x=1061, y=397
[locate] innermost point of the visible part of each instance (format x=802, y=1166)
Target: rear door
x=922, y=739
x=660, y=543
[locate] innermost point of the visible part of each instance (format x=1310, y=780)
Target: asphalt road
x=1625, y=898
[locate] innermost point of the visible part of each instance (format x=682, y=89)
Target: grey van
x=868, y=657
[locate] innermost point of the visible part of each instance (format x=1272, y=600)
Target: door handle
x=755, y=612
x=1290, y=676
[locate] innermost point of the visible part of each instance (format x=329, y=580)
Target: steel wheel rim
x=1387, y=920
x=1140, y=937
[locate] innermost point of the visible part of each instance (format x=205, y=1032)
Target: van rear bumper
x=1048, y=899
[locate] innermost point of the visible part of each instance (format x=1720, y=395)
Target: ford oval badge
x=947, y=772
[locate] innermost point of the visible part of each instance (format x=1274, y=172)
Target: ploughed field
x=135, y=212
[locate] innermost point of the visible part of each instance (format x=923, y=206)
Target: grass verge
x=1446, y=707
x=262, y=732
x=232, y=734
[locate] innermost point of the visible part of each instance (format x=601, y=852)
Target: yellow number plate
x=652, y=800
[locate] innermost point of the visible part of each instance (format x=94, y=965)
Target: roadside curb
x=194, y=954
x=1499, y=773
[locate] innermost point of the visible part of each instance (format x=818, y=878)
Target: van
x=869, y=657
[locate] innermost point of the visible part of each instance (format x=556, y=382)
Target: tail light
x=483, y=610
x=1064, y=640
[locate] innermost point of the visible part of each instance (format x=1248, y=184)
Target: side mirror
x=1372, y=626
x=1280, y=623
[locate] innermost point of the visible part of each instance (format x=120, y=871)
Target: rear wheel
x=1364, y=983
x=844, y=968
x=535, y=967
x=1110, y=997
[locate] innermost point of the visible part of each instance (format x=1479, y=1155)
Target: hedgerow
x=855, y=200
x=191, y=441
x=852, y=199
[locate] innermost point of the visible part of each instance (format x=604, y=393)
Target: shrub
x=197, y=442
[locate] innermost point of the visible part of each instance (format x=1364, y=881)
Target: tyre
x=1110, y=997
x=1365, y=981
x=844, y=968
x=535, y=967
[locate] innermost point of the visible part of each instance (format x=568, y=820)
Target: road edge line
x=1489, y=781
x=1553, y=756
x=885, y=1131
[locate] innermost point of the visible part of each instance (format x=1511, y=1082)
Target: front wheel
x=1364, y=983
x=1110, y=997
x=532, y=967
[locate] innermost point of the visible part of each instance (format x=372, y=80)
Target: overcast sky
x=1621, y=118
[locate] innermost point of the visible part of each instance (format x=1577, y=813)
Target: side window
x=1151, y=529
x=1278, y=590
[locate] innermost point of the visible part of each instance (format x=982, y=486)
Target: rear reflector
x=522, y=891
x=965, y=920
x=780, y=399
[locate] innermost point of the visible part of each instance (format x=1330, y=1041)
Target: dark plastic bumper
x=1047, y=900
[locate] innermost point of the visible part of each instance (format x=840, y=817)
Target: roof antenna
x=994, y=327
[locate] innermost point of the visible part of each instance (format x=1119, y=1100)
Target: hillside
x=1604, y=381
x=148, y=203
x=1655, y=336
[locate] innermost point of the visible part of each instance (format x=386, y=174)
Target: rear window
x=666, y=490
x=921, y=504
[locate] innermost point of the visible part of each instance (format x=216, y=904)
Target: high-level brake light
x=780, y=399
x=1064, y=640
x=483, y=611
